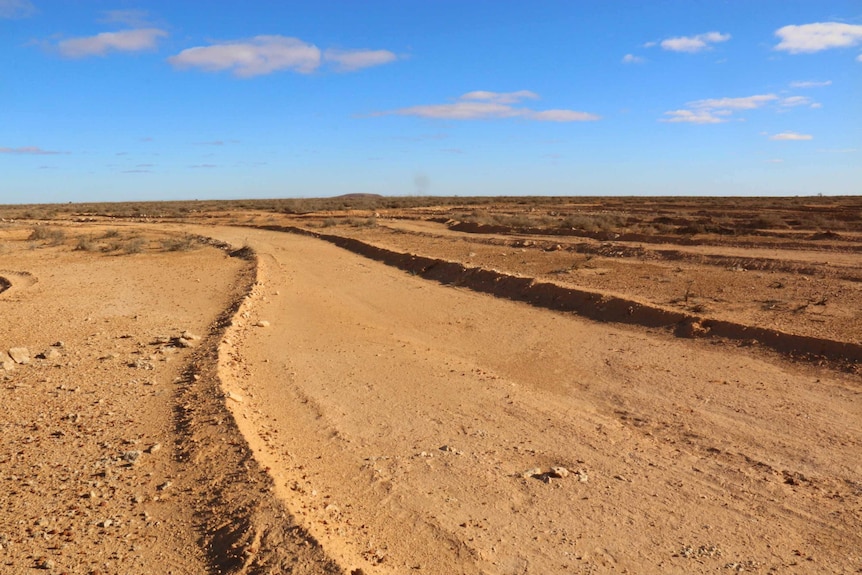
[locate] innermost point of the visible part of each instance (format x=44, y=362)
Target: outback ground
x=373, y=385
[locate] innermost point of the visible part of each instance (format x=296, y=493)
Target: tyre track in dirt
x=397, y=418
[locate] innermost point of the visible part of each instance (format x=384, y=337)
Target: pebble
x=532, y=472
x=559, y=472
x=234, y=396
x=45, y=563
x=20, y=355
x=154, y=448
x=132, y=456
x=262, y=323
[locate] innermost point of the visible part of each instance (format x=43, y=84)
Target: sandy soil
x=348, y=417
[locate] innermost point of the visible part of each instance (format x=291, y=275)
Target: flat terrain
x=319, y=411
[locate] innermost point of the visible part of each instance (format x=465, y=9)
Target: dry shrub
x=179, y=244
x=51, y=234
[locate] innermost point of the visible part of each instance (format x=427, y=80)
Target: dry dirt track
x=398, y=417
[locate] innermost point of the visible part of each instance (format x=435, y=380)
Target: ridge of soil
x=596, y=305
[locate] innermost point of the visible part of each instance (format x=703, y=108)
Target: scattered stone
x=534, y=472
x=559, y=472
x=262, y=323
x=183, y=342
x=154, y=448
x=622, y=478
x=132, y=456
x=105, y=523
x=234, y=396
x=450, y=449
x=582, y=476
x=20, y=355
x=6, y=362
x=161, y=340
x=138, y=498
x=190, y=336
x=58, y=344
x=164, y=486
x=51, y=353
x=45, y=563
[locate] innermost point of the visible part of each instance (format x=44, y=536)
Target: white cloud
x=28, y=150
x=483, y=105
x=560, y=116
x=694, y=43
x=632, y=59
x=810, y=84
x=349, y=60
x=793, y=101
x=818, y=36
x=746, y=103
x=859, y=58
x=692, y=117
x=13, y=9
x=501, y=97
x=717, y=110
x=791, y=136
x=254, y=57
x=101, y=44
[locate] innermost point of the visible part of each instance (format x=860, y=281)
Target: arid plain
x=369, y=385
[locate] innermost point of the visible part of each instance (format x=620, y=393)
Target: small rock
x=51, y=353
x=6, y=362
x=44, y=563
x=190, y=336
x=621, y=478
x=183, y=342
x=534, y=472
x=20, y=355
x=58, y=344
x=262, y=323
x=138, y=498
x=582, y=476
x=154, y=448
x=105, y=523
x=132, y=456
x=164, y=486
x=234, y=396
x=559, y=472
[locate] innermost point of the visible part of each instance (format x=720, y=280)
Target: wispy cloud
x=794, y=101
x=267, y=54
x=483, y=105
x=692, y=44
x=692, y=117
x=719, y=110
x=632, y=59
x=28, y=150
x=810, y=84
x=255, y=57
x=205, y=166
x=791, y=136
x=818, y=36
x=746, y=103
x=350, y=60
x=101, y=44
x=14, y=9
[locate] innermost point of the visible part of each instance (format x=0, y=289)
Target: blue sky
x=121, y=100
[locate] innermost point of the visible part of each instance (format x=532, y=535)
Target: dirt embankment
x=597, y=306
